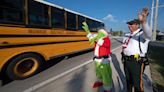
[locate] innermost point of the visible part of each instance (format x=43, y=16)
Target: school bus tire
x=24, y=66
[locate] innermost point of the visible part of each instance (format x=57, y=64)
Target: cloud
x=110, y=17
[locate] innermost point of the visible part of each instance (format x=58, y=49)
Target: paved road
x=82, y=79
x=74, y=75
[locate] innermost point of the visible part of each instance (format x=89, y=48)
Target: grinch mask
x=94, y=37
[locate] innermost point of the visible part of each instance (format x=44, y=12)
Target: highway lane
x=61, y=66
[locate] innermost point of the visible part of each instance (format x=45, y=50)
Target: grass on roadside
x=157, y=77
x=155, y=54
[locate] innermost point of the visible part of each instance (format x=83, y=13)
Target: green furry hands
x=85, y=27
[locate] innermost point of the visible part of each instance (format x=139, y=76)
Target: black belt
x=132, y=57
x=100, y=57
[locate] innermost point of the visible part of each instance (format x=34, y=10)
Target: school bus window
x=102, y=25
x=94, y=28
x=94, y=25
x=99, y=25
x=57, y=18
x=71, y=21
x=90, y=24
x=80, y=20
x=11, y=11
x=38, y=14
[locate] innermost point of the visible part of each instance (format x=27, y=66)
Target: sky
x=114, y=13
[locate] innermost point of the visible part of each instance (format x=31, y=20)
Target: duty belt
x=132, y=57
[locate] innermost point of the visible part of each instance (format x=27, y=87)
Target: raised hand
x=143, y=16
x=86, y=28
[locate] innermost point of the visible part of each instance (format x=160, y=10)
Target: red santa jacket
x=102, y=47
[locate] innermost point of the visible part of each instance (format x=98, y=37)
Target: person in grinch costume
x=101, y=58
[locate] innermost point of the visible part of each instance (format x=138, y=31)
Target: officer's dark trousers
x=133, y=72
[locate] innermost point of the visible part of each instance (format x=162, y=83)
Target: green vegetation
x=157, y=77
x=117, y=33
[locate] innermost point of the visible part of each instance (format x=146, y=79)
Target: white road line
x=116, y=48
x=58, y=76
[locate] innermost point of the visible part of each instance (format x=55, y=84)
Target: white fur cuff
x=100, y=42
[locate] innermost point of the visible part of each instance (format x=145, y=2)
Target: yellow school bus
x=34, y=31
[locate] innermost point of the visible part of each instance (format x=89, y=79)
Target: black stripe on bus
x=12, y=35
x=36, y=44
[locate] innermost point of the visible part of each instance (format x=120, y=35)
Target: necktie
x=126, y=42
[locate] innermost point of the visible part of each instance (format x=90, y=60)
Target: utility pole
x=155, y=20
x=152, y=15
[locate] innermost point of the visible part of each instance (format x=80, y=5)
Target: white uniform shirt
x=132, y=47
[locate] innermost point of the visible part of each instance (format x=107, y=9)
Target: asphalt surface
x=75, y=74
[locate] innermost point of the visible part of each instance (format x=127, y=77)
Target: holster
x=144, y=60
x=122, y=56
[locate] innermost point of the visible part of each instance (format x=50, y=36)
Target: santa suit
x=102, y=61
x=102, y=47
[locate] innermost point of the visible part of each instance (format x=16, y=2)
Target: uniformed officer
x=134, y=50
